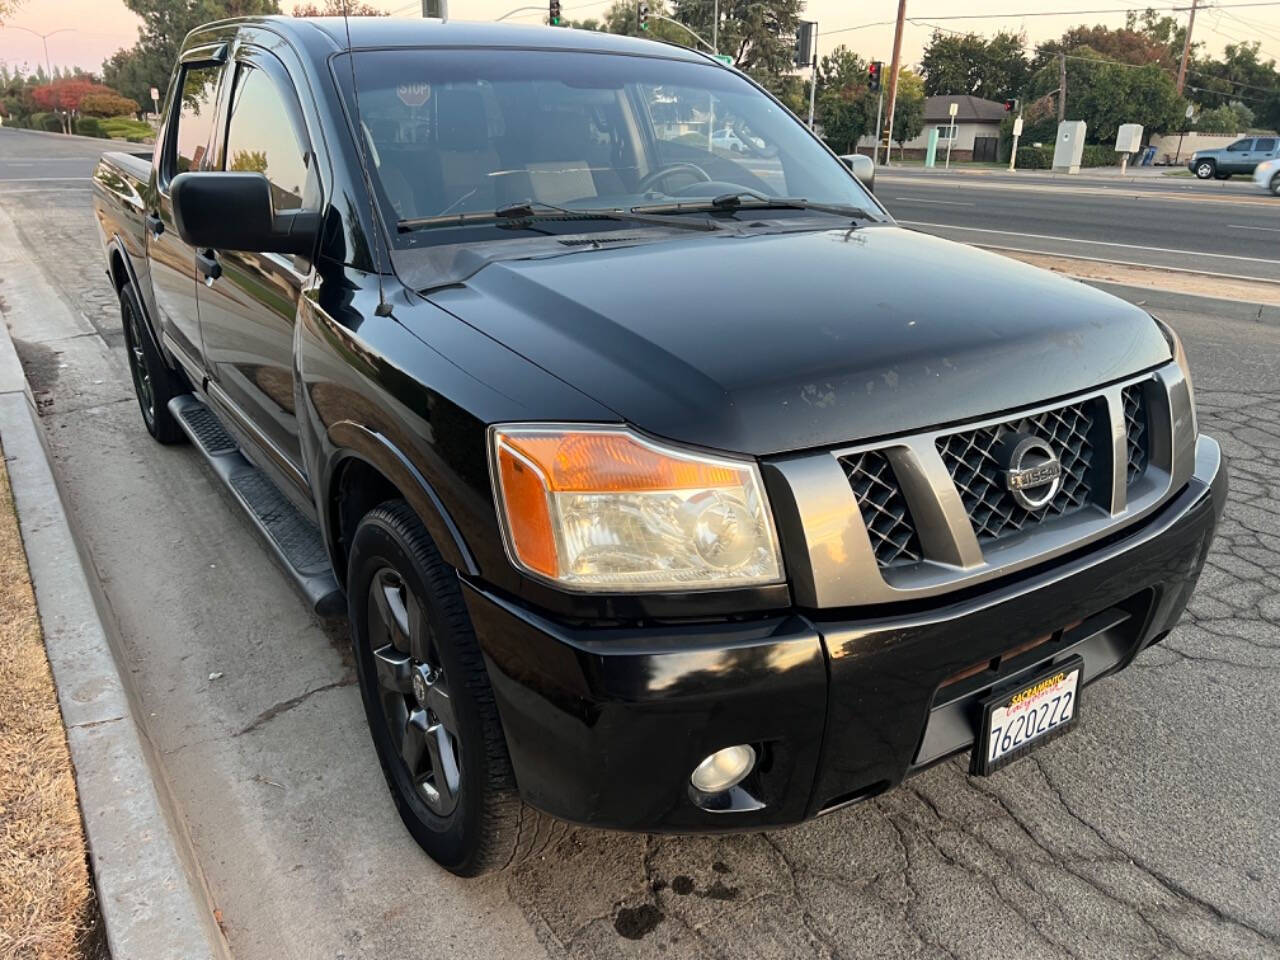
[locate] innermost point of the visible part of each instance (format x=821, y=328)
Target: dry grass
x=47, y=908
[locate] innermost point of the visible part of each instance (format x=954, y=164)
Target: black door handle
x=207, y=263
x=154, y=224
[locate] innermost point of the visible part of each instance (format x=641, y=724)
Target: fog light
x=724, y=769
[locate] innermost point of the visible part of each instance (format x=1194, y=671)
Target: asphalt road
x=1150, y=831
x=1188, y=225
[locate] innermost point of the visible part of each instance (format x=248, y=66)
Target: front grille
x=970, y=459
x=1135, y=430
x=884, y=510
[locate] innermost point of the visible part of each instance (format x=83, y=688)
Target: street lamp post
x=44, y=39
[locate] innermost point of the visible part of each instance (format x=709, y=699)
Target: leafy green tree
x=1104, y=94
x=758, y=34
x=908, y=111
x=845, y=107
x=1228, y=118
x=165, y=23
x=7, y=7
x=955, y=64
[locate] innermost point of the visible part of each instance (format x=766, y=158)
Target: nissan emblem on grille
x=1031, y=469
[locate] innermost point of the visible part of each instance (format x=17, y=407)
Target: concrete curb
x=153, y=905
x=78, y=136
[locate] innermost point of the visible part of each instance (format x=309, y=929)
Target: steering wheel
x=647, y=183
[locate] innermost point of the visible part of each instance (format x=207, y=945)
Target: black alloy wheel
x=153, y=382
x=430, y=707
x=416, y=705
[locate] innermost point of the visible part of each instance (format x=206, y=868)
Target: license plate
x=1020, y=718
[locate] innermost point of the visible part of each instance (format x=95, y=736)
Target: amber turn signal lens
x=602, y=508
x=528, y=513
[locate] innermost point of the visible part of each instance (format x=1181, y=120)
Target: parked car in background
x=1240, y=157
x=1267, y=176
x=726, y=139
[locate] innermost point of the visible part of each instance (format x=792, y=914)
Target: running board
x=294, y=537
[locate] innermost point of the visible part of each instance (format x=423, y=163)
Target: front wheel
x=1205, y=169
x=1275, y=185
x=428, y=701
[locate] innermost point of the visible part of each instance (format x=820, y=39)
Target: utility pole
x=715, y=27
x=1186, y=48
x=1062, y=86
x=893, y=76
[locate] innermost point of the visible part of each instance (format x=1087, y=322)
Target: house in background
x=977, y=130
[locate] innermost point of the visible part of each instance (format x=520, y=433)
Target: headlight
x=1180, y=357
x=600, y=508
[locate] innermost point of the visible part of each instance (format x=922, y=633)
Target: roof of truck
x=367, y=32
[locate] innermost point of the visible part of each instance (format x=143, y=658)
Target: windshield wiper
x=749, y=200
x=529, y=210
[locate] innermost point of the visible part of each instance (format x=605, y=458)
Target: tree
x=65, y=94
x=1106, y=93
x=842, y=104
x=996, y=69
x=107, y=104
x=758, y=34
x=1228, y=118
x=165, y=23
x=334, y=8
x=7, y=7
x=908, y=112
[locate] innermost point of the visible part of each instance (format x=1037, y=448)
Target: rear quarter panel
x=121, y=182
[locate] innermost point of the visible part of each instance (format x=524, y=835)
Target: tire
x=154, y=384
x=1275, y=185
x=1205, y=169
x=429, y=704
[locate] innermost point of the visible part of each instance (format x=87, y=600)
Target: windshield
x=452, y=132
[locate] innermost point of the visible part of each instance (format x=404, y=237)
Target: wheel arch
x=120, y=269
x=366, y=469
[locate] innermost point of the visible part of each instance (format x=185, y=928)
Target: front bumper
x=605, y=724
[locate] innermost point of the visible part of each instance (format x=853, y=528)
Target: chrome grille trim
x=836, y=564
x=971, y=462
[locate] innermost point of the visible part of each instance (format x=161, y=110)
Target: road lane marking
x=1123, y=191
x=1243, y=226
x=950, y=203
x=1096, y=243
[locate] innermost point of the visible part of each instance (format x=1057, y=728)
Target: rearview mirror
x=862, y=167
x=233, y=211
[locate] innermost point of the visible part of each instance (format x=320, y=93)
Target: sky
x=99, y=27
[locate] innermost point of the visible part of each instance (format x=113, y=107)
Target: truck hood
x=767, y=343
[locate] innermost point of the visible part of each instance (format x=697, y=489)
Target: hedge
x=1041, y=158
x=89, y=127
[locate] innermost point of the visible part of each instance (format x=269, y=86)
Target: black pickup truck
x=665, y=486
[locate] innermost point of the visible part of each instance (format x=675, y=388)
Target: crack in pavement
x=284, y=706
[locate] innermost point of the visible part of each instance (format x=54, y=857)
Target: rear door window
x=195, y=118
x=1265, y=144
x=1240, y=146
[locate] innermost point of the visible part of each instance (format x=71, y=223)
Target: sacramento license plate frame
x=979, y=764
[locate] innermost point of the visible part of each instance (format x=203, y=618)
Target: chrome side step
x=295, y=537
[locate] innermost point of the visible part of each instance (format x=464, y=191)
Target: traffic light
x=642, y=15
x=553, y=16
x=1010, y=106
x=874, y=69
x=804, y=43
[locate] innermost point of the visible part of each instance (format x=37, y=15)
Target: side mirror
x=233, y=211
x=862, y=167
